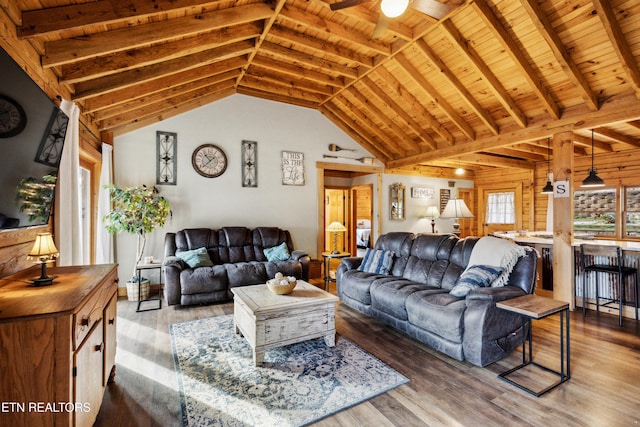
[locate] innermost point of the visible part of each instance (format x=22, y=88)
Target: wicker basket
x=132, y=291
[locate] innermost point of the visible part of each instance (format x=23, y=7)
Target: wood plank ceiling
x=483, y=86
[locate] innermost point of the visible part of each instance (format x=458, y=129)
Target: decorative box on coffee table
x=268, y=320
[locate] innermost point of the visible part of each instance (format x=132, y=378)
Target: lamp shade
x=393, y=8
x=336, y=227
x=432, y=212
x=593, y=180
x=456, y=208
x=43, y=247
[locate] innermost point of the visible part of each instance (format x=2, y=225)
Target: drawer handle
x=85, y=321
x=112, y=321
x=100, y=347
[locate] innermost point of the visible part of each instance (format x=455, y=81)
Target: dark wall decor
x=50, y=149
x=166, y=152
x=249, y=164
x=445, y=195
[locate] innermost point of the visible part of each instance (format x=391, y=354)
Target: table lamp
x=44, y=250
x=335, y=228
x=433, y=213
x=456, y=208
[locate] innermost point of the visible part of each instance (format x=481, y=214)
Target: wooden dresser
x=57, y=345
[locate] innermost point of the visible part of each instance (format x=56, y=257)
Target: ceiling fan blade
x=432, y=8
x=381, y=27
x=347, y=3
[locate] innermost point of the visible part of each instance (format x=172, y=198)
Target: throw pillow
x=376, y=261
x=277, y=253
x=474, y=277
x=196, y=258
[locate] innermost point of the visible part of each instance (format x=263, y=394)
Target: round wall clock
x=209, y=160
x=12, y=117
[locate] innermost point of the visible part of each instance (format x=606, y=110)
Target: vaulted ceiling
x=482, y=84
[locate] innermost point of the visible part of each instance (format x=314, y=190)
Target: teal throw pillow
x=277, y=253
x=376, y=261
x=196, y=258
x=475, y=277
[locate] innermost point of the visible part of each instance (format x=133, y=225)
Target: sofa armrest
x=494, y=295
x=297, y=255
x=352, y=263
x=173, y=266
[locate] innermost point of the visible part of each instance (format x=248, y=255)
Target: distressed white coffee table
x=268, y=320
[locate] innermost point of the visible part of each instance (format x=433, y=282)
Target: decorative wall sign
x=422, y=193
x=445, y=195
x=167, y=152
x=249, y=164
x=292, y=168
x=50, y=148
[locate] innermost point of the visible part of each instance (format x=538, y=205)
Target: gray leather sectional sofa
x=236, y=257
x=415, y=298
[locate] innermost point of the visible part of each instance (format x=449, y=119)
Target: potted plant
x=137, y=211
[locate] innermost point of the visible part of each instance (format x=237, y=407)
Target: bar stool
x=613, y=266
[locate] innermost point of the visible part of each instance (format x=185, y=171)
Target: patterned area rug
x=296, y=385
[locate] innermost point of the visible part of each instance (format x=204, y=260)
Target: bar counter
x=543, y=242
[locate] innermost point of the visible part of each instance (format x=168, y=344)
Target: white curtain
x=68, y=215
x=501, y=208
x=104, y=239
x=550, y=213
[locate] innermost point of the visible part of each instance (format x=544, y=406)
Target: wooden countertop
x=533, y=239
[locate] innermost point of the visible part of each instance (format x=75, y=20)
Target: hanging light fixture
x=593, y=180
x=393, y=8
x=548, y=189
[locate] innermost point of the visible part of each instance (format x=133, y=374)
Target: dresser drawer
x=92, y=311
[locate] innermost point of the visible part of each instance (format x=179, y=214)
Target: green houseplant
x=137, y=211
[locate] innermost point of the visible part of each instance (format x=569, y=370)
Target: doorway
x=336, y=209
x=362, y=209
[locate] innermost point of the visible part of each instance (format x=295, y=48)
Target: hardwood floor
x=604, y=389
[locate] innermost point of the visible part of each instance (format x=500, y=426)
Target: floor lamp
x=335, y=228
x=456, y=208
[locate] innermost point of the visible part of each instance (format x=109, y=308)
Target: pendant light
x=593, y=180
x=548, y=189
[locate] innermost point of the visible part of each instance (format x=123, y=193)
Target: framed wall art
x=445, y=195
x=50, y=149
x=166, y=152
x=422, y=193
x=292, y=168
x=249, y=164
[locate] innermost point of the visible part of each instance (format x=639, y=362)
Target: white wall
x=216, y=202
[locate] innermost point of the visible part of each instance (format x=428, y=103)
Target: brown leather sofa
x=237, y=257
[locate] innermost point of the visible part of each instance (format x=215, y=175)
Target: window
x=501, y=208
x=632, y=211
x=595, y=212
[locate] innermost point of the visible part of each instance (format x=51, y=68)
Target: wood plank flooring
x=604, y=389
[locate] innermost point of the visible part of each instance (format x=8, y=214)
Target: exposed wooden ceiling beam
x=134, y=58
x=291, y=55
x=490, y=160
x=536, y=84
x=617, y=136
x=435, y=60
x=271, y=96
x=129, y=78
x=53, y=20
x=78, y=48
x=111, y=99
x=283, y=89
x=275, y=64
x=619, y=43
x=483, y=70
x=436, y=98
x=613, y=111
x=542, y=23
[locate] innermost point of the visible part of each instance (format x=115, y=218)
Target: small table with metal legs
x=534, y=307
x=139, y=268
x=328, y=256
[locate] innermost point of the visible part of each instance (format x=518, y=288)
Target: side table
x=534, y=307
x=151, y=266
x=328, y=256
